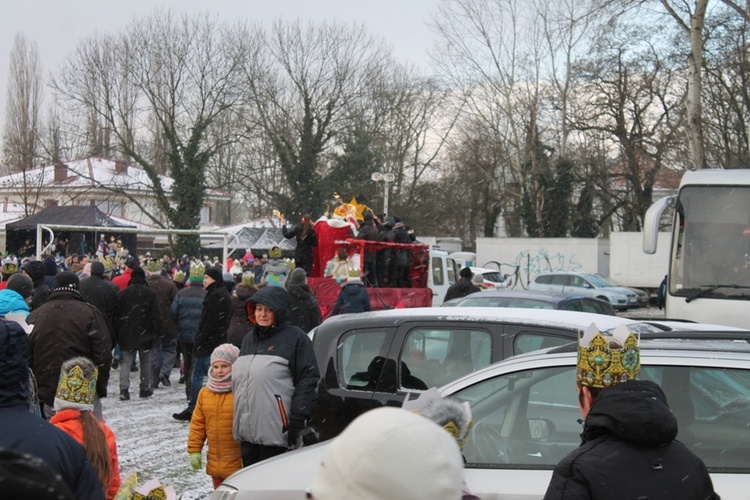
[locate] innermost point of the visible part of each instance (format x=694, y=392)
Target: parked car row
x=591, y=285
x=524, y=408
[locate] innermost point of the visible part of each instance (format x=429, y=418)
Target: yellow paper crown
x=108, y=264
x=601, y=363
x=74, y=387
x=248, y=279
x=197, y=270
x=179, y=276
x=153, y=266
x=353, y=273
x=274, y=253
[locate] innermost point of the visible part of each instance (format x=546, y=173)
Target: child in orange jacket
x=212, y=419
x=74, y=407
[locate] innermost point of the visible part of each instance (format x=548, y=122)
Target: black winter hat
x=22, y=284
x=66, y=280
x=216, y=274
x=138, y=273
x=466, y=273
x=296, y=277
x=35, y=270
x=97, y=268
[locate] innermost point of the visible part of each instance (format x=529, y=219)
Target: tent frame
x=40, y=228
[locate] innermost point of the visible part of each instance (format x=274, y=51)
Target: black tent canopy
x=18, y=232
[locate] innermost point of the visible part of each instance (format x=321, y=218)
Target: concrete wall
x=630, y=266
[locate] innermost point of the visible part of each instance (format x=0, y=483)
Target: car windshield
x=608, y=280
x=531, y=417
x=597, y=281
x=493, y=276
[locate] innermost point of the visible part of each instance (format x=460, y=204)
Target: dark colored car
x=374, y=359
x=533, y=300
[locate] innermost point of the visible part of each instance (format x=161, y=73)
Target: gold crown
x=179, y=276
x=197, y=270
x=108, y=264
x=353, y=273
x=601, y=363
x=274, y=253
x=248, y=279
x=74, y=387
x=153, y=266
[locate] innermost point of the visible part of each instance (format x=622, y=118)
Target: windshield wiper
x=711, y=288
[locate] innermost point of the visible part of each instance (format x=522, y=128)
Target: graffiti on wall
x=528, y=264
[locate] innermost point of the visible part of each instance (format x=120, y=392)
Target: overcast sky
x=58, y=25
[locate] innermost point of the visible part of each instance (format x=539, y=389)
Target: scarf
x=219, y=384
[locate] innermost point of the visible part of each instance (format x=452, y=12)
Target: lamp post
x=387, y=179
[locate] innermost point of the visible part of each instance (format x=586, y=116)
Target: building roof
x=91, y=173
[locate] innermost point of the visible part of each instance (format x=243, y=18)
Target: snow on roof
x=91, y=173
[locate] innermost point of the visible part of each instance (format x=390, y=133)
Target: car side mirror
x=540, y=428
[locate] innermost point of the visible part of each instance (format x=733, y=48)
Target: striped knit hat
x=225, y=352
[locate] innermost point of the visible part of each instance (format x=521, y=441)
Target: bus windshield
x=711, y=248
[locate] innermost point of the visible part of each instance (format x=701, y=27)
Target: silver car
x=526, y=419
x=590, y=285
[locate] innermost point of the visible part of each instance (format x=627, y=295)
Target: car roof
x=540, y=317
x=552, y=297
x=682, y=348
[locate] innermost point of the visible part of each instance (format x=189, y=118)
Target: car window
x=361, y=355
x=575, y=305
x=559, y=279
x=432, y=357
x=533, y=341
x=493, y=276
x=543, y=279
x=531, y=417
x=437, y=271
x=577, y=281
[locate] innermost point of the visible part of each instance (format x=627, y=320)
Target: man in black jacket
x=304, y=308
x=212, y=332
x=274, y=380
x=629, y=448
x=463, y=287
x=24, y=432
x=102, y=294
x=137, y=326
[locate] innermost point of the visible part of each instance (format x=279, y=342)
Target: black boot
x=124, y=395
x=183, y=416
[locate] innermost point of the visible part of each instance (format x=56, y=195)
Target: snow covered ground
x=152, y=443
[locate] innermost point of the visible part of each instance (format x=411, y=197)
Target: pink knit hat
x=225, y=352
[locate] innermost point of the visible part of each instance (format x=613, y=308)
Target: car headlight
x=223, y=493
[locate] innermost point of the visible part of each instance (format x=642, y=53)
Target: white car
x=492, y=277
x=526, y=419
x=586, y=284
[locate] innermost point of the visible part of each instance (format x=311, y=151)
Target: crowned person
x=628, y=447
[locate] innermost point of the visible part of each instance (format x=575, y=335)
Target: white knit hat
x=225, y=352
x=390, y=453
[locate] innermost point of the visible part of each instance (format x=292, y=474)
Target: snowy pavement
x=152, y=443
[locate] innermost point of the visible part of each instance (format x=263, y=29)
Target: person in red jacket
x=212, y=419
x=74, y=407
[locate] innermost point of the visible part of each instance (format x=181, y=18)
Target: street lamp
x=387, y=179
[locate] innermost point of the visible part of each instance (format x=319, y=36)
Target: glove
x=195, y=460
x=299, y=435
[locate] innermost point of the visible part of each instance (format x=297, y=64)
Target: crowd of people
x=238, y=334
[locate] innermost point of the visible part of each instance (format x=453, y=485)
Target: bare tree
x=22, y=123
x=301, y=88
x=154, y=94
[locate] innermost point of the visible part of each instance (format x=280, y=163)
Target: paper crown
x=197, y=271
x=353, y=273
x=179, y=276
x=74, y=387
x=153, y=266
x=605, y=361
x=274, y=253
x=10, y=265
x=248, y=279
x=108, y=264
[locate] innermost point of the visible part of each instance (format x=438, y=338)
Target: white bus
x=709, y=262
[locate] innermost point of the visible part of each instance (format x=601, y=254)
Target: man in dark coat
x=369, y=232
x=463, y=287
x=399, y=275
x=304, y=310
x=24, y=432
x=383, y=257
x=164, y=352
x=238, y=326
x=212, y=332
x=274, y=380
x=306, y=239
x=35, y=271
x=628, y=445
x=65, y=327
x=137, y=326
x=186, y=312
x=102, y=294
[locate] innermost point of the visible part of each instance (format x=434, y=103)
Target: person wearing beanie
x=164, y=352
x=239, y=326
x=16, y=296
x=463, y=287
x=275, y=380
x=65, y=327
x=478, y=281
x=35, y=270
x=137, y=323
x=212, y=332
x=229, y=282
x=74, y=406
x=353, y=297
x=26, y=433
x=185, y=311
x=381, y=455
x=304, y=310
x=212, y=419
